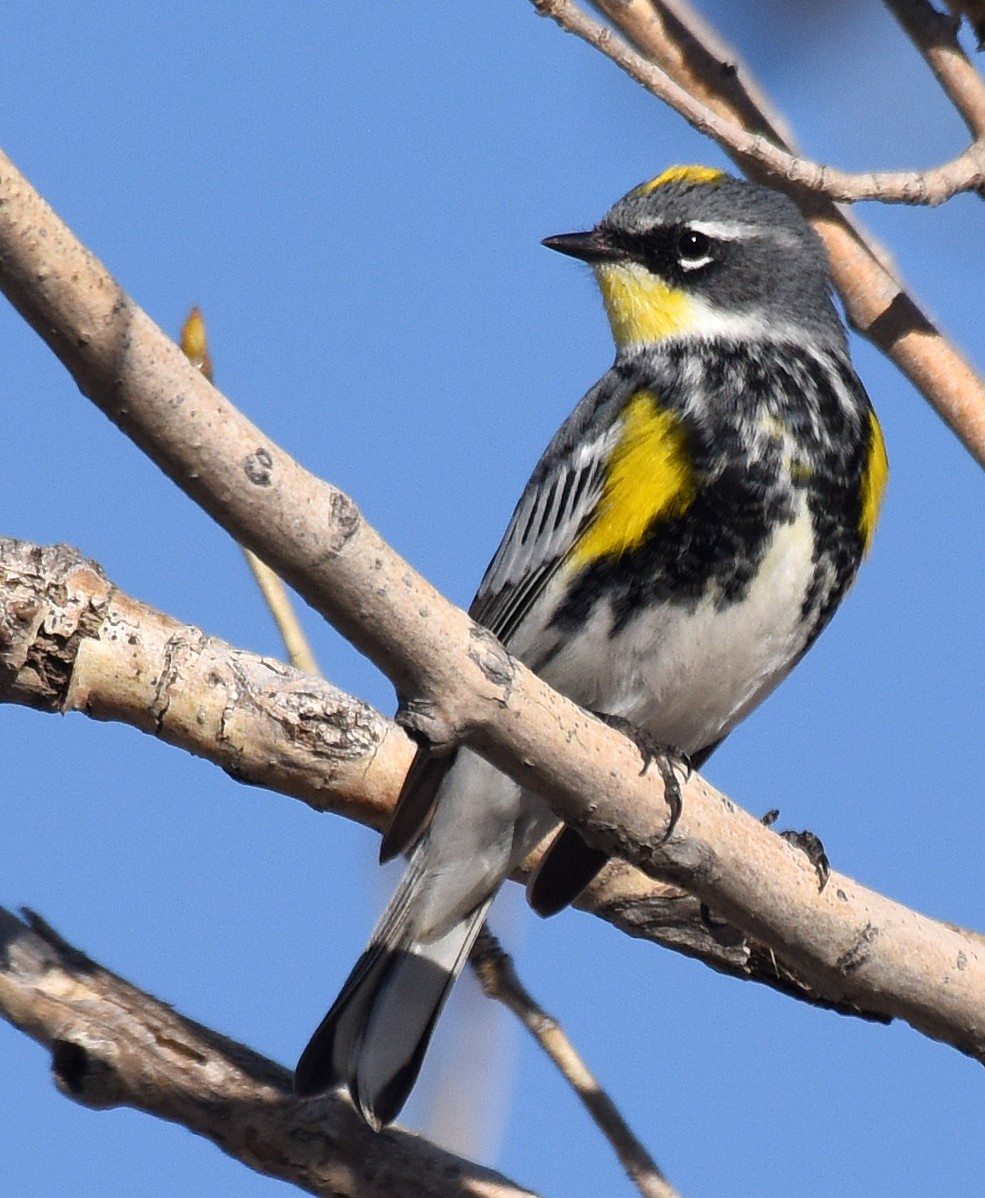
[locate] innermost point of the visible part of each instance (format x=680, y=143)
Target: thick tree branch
x=875, y=301
x=848, y=943
x=114, y=1045
x=71, y=641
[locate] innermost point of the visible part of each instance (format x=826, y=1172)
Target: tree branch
x=966, y=172
x=935, y=35
x=459, y=684
x=497, y=976
x=114, y=1045
x=675, y=37
x=71, y=641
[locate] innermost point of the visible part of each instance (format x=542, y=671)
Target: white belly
x=688, y=676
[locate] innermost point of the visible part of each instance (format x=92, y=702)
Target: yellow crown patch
x=682, y=174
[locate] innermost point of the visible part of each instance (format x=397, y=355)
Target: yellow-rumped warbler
x=687, y=534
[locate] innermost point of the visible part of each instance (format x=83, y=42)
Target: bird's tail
x=374, y=1038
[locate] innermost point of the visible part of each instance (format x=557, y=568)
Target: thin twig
x=286, y=618
x=498, y=977
x=194, y=342
x=966, y=172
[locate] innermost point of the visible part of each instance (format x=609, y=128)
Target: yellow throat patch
x=649, y=477
x=641, y=308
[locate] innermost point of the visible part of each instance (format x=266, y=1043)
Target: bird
x=687, y=534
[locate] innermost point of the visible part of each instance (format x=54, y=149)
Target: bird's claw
x=668, y=759
x=810, y=845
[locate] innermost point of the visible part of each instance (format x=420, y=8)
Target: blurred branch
x=113, y=1045
x=936, y=37
x=974, y=11
x=666, y=31
x=194, y=342
x=285, y=617
x=497, y=975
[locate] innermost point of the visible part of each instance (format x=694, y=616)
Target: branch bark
x=114, y=1045
x=71, y=641
x=849, y=944
x=760, y=145
x=935, y=35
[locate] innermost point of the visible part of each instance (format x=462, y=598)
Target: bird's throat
x=641, y=307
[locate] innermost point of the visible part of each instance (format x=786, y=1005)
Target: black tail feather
x=374, y=1038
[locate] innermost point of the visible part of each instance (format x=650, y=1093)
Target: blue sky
x=357, y=203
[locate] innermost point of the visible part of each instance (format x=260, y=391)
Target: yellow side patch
x=873, y=482
x=641, y=307
x=682, y=174
x=649, y=477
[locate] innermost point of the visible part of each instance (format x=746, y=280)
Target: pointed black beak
x=593, y=246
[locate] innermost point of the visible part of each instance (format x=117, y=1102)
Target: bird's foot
x=669, y=759
x=810, y=845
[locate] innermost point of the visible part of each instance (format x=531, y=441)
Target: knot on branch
x=259, y=467
x=343, y=521
x=84, y=1076
x=493, y=660
x=429, y=725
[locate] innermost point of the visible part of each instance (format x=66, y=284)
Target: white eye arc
x=695, y=263
x=693, y=249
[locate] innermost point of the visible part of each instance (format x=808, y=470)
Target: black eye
x=693, y=248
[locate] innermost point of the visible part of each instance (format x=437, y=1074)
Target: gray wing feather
x=554, y=508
